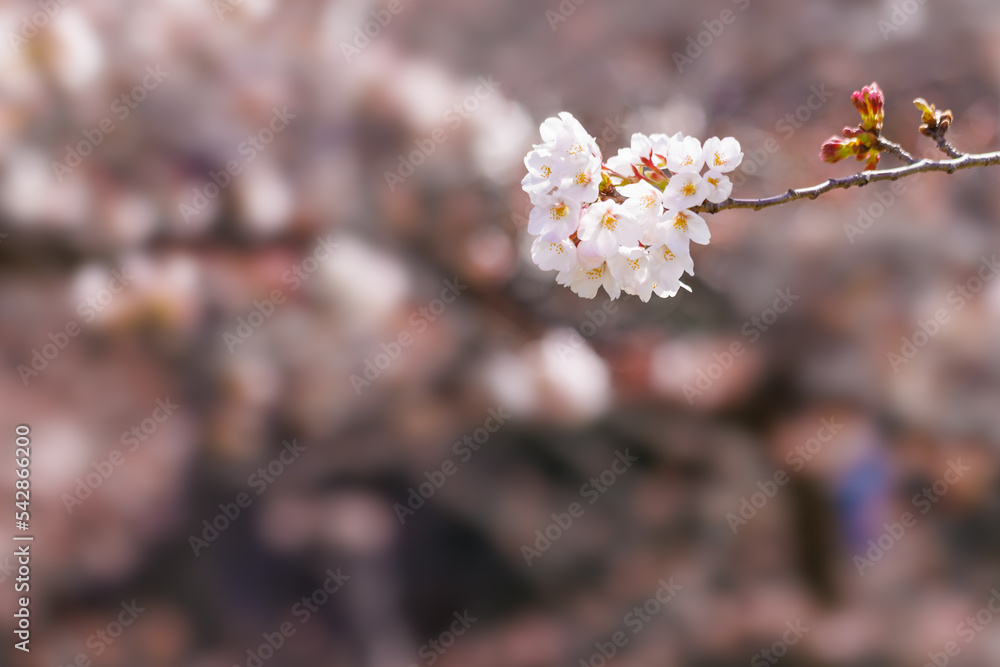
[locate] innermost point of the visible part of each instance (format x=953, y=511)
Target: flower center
x=610, y=222
x=680, y=224
x=634, y=263
x=649, y=201
x=720, y=159
x=596, y=274
x=688, y=190
x=583, y=178
x=546, y=170
x=713, y=181
x=688, y=161
x=575, y=149
x=559, y=212
x=557, y=248
x=667, y=255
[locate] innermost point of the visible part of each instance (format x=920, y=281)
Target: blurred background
x=297, y=395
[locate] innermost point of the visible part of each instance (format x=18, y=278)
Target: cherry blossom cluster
x=625, y=225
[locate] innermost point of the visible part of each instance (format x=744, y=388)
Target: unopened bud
x=870, y=102
x=932, y=120
x=836, y=149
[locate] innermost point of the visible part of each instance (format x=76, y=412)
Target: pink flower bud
x=836, y=149
x=870, y=102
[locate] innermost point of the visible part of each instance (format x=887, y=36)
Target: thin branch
x=898, y=151
x=965, y=161
x=943, y=144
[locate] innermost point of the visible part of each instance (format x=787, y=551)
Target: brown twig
x=943, y=145
x=961, y=161
x=898, y=151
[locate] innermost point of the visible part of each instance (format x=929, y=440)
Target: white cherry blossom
x=545, y=171
x=668, y=263
x=586, y=282
x=553, y=253
x=719, y=187
x=608, y=226
x=582, y=183
x=567, y=138
x=569, y=160
x=678, y=225
x=685, y=190
x=640, y=148
x=665, y=293
x=723, y=155
x=692, y=225
x=630, y=266
x=685, y=156
x=661, y=146
x=554, y=213
x=644, y=201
